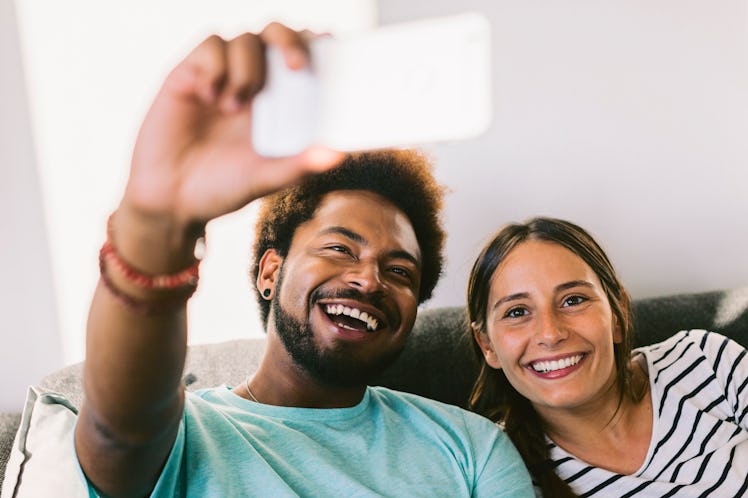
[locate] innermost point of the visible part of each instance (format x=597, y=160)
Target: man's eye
x=574, y=301
x=342, y=249
x=516, y=313
x=397, y=270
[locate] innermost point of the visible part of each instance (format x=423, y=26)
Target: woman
x=553, y=325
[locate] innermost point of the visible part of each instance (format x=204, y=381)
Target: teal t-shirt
x=390, y=444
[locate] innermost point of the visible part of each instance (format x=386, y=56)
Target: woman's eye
x=515, y=313
x=573, y=301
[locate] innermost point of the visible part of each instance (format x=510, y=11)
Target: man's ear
x=485, y=344
x=267, y=273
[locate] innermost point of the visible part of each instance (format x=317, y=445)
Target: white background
x=77, y=79
x=627, y=117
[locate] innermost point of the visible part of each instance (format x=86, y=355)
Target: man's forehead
x=353, y=204
x=354, y=210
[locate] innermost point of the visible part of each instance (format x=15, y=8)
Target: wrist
x=147, y=291
x=154, y=244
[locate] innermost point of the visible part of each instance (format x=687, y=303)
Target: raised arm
x=193, y=161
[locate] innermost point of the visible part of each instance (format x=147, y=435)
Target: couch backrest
x=438, y=361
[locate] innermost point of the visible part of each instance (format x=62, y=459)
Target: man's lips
x=369, y=321
x=354, y=316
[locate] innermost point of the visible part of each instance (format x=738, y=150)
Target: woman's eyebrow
x=574, y=283
x=511, y=297
x=561, y=287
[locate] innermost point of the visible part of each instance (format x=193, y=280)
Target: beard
x=340, y=366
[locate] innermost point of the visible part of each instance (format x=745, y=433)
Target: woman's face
x=550, y=328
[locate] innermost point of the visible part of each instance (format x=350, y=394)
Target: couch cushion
x=9, y=423
x=42, y=459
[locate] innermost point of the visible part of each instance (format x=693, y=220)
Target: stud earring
x=266, y=293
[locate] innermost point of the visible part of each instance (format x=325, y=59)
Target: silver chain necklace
x=249, y=391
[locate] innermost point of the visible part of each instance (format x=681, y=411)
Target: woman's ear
x=484, y=342
x=267, y=274
x=617, y=331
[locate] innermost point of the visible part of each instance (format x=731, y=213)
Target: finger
x=318, y=159
x=245, y=71
x=308, y=35
x=203, y=71
x=292, y=44
x=315, y=159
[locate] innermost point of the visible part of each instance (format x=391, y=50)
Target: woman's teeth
x=550, y=366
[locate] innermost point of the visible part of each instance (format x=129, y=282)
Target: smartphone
x=399, y=85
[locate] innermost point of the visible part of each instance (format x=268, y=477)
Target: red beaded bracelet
x=145, y=306
x=185, y=278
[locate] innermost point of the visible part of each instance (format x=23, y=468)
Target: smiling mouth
x=352, y=318
x=553, y=365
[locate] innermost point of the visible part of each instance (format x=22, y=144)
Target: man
x=342, y=261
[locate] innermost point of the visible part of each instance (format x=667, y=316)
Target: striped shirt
x=699, y=445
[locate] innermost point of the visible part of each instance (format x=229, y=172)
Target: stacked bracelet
x=181, y=284
x=185, y=278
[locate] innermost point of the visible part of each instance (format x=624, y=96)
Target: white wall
x=76, y=79
x=627, y=117
x=29, y=332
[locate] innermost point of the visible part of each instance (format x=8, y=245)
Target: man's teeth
x=550, y=366
x=339, y=309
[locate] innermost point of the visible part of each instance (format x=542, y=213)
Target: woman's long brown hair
x=493, y=396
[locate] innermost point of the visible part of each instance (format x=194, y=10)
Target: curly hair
x=493, y=396
x=404, y=177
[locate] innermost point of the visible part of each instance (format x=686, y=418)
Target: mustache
x=375, y=299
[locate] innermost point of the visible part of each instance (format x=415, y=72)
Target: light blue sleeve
x=168, y=482
x=500, y=470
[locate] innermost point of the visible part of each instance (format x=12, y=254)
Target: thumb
x=316, y=159
x=278, y=173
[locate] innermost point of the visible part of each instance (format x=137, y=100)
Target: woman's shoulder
x=688, y=343
x=691, y=351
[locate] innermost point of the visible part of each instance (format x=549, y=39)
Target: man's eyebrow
x=355, y=237
x=407, y=256
x=359, y=239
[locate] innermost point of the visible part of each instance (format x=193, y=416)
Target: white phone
x=399, y=85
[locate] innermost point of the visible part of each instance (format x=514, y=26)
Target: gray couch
x=437, y=362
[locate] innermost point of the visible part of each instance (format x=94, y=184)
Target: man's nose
x=365, y=276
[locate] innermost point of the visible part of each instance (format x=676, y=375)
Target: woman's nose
x=550, y=331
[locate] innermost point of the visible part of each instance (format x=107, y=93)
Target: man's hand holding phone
x=194, y=158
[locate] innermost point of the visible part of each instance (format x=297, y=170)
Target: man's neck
x=280, y=381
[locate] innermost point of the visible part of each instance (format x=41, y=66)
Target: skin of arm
x=193, y=161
